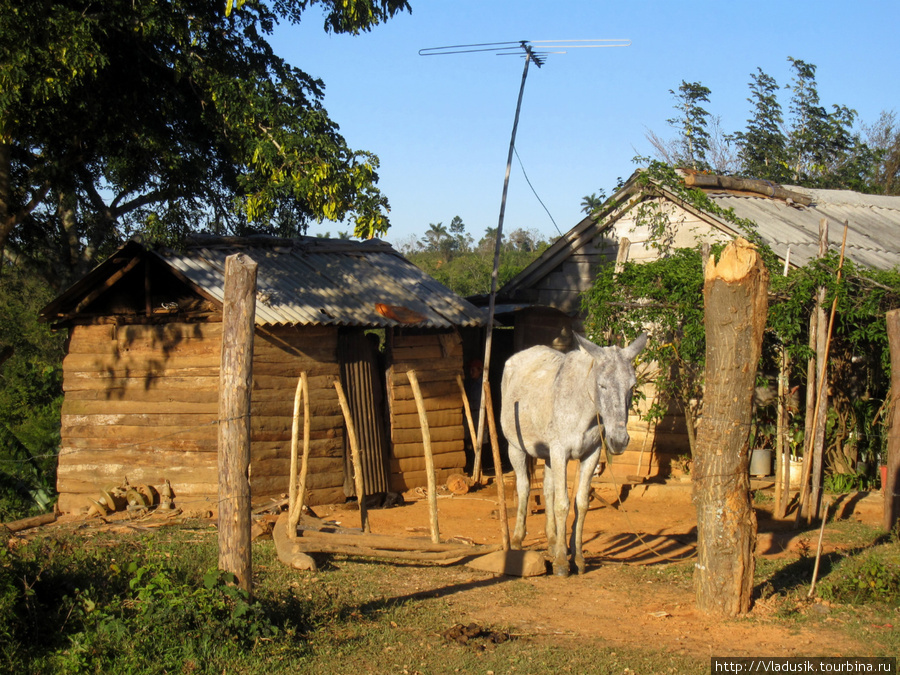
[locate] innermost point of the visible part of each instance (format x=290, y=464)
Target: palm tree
x=435, y=236
x=592, y=202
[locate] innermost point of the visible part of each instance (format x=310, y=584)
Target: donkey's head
x=612, y=381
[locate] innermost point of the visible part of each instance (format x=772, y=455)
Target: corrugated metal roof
x=311, y=281
x=873, y=234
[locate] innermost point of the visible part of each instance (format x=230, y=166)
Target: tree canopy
x=123, y=116
x=809, y=145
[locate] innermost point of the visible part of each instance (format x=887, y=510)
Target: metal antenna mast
x=519, y=48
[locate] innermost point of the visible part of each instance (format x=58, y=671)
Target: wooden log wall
x=141, y=402
x=437, y=360
x=279, y=356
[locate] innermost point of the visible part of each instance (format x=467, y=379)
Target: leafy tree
x=30, y=396
x=761, y=148
x=462, y=241
x=436, y=237
x=884, y=138
x=134, y=115
x=691, y=123
x=822, y=149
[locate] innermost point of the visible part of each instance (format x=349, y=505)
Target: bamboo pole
x=782, y=450
x=355, y=457
x=498, y=468
x=820, y=385
x=815, y=576
x=298, y=487
x=429, y=459
x=467, y=408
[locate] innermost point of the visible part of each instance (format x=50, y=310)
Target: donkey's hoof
x=561, y=570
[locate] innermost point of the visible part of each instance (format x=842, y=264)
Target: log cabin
x=141, y=371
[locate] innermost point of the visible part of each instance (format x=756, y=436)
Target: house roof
x=300, y=281
x=873, y=233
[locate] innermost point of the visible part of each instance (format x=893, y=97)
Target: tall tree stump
x=235, y=383
x=735, y=298
x=891, y=485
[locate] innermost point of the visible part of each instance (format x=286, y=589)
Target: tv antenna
x=536, y=51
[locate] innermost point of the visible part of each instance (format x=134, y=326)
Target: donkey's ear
x=586, y=345
x=635, y=347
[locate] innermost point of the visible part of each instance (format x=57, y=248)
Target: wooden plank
x=415, y=449
x=436, y=418
x=432, y=404
x=404, y=437
x=72, y=406
x=446, y=460
x=153, y=381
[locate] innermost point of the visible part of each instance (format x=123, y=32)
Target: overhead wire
x=522, y=166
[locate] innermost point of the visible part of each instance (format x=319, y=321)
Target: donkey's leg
x=549, y=519
x=519, y=461
x=560, y=513
x=582, y=500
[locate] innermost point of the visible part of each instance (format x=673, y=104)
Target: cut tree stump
x=735, y=294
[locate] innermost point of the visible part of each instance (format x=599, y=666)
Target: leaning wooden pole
x=429, y=458
x=891, y=487
x=818, y=442
x=235, y=384
x=498, y=469
x=355, y=457
x=735, y=296
x=297, y=494
x=495, y=271
x=467, y=409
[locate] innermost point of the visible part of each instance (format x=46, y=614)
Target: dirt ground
x=604, y=603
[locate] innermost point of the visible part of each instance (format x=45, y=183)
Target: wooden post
x=735, y=297
x=467, y=408
x=821, y=409
x=298, y=486
x=498, y=468
x=355, y=457
x=235, y=384
x=429, y=458
x=783, y=461
x=891, y=487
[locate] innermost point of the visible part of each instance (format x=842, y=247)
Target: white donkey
x=553, y=406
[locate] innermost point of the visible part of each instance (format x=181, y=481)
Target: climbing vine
x=665, y=298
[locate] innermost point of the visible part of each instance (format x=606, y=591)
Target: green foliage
x=30, y=397
x=73, y=608
x=691, y=122
x=862, y=579
x=118, y=117
x=761, y=148
x=665, y=297
x=448, y=256
x=842, y=483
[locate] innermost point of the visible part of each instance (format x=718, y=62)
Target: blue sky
x=441, y=125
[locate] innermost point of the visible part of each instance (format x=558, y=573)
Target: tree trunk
x=735, y=297
x=6, y=219
x=235, y=383
x=891, y=487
